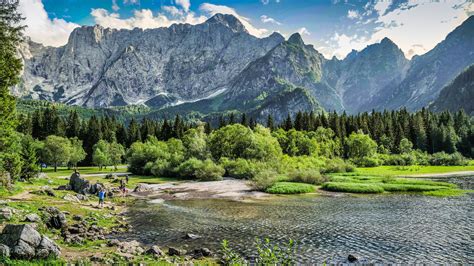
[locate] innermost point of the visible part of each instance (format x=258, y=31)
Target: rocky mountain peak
x=296, y=39
x=229, y=21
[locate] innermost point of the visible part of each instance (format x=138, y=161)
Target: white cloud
x=53, y=32
x=345, y=44
x=172, y=10
x=267, y=19
x=143, y=18
x=304, y=31
x=265, y=2
x=381, y=6
x=353, y=14
x=214, y=9
x=185, y=4
x=115, y=7
x=422, y=24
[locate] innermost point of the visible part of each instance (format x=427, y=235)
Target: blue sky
x=334, y=27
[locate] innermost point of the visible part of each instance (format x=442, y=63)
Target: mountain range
x=217, y=66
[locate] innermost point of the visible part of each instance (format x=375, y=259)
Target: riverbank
x=27, y=198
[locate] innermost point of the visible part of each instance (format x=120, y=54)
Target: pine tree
x=133, y=132
x=73, y=125
x=299, y=121
x=244, y=121
x=288, y=123
x=270, y=123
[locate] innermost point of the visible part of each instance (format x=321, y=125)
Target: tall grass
x=290, y=188
x=352, y=187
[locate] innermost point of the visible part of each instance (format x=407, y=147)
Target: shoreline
x=441, y=175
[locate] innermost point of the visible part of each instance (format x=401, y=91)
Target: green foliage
x=57, y=150
x=273, y=254
x=264, y=180
x=101, y=154
x=442, y=158
x=229, y=256
x=352, y=187
x=29, y=156
x=209, y=171
x=405, y=146
x=337, y=165
x=240, y=168
x=290, y=188
x=77, y=152
x=360, y=146
x=236, y=141
x=195, y=143
x=308, y=176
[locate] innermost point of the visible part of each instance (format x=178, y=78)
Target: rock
x=131, y=247
x=4, y=251
x=82, y=197
x=155, y=251
x=79, y=184
x=201, y=252
x=77, y=217
x=55, y=218
x=351, y=258
x=176, y=252
x=192, y=236
x=94, y=189
x=113, y=243
x=64, y=187
x=4, y=202
x=142, y=188
x=48, y=191
x=47, y=248
x=71, y=198
x=32, y=218
x=25, y=242
x=6, y=214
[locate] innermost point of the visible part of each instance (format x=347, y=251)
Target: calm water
x=399, y=228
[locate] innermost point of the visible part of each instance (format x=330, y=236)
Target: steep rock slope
x=459, y=94
x=104, y=67
x=430, y=72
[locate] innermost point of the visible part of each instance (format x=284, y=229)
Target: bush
x=203, y=170
x=366, y=161
x=337, y=165
x=264, y=179
x=352, y=187
x=209, y=171
x=239, y=168
x=289, y=188
x=309, y=176
x=442, y=158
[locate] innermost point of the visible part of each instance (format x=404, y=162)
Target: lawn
x=412, y=170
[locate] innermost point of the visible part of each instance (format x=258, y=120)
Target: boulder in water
x=351, y=258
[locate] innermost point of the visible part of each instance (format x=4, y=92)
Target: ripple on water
x=381, y=229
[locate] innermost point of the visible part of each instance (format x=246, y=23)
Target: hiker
x=101, y=197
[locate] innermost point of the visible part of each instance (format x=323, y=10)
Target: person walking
x=101, y=197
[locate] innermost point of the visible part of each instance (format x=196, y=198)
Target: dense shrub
x=264, y=179
x=309, y=176
x=209, y=171
x=290, y=188
x=442, y=158
x=239, y=168
x=337, y=165
x=203, y=170
x=366, y=161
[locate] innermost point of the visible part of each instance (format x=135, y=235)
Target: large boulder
x=54, y=218
x=6, y=214
x=24, y=242
x=32, y=218
x=4, y=251
x=79, y=184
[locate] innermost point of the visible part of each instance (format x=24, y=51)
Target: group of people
x=123, y=188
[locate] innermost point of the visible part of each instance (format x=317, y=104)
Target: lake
x=391, y=228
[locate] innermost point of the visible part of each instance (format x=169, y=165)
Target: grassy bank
x=356, y=183
x=412, y=170
x=290, y=188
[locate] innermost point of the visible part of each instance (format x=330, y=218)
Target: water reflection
x=403, y=228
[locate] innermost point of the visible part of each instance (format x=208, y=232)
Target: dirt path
x=232, y=189
x=440, y=175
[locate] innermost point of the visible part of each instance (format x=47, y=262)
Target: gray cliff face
x=429, y=73
x=291, y=62
x=218, y=66
x=104, y=67
x=362, y=75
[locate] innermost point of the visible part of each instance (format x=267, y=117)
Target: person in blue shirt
x=101, y=197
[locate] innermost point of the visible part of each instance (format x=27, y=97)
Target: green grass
x=412, y=170
x=290, y=188
x=447, y=192
x=352, y=187
x=356, y=183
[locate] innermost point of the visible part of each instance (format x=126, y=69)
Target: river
x=389, y=228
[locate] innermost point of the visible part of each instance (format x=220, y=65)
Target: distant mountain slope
x=105, y=67
x=458, y=94
x=430, y=72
